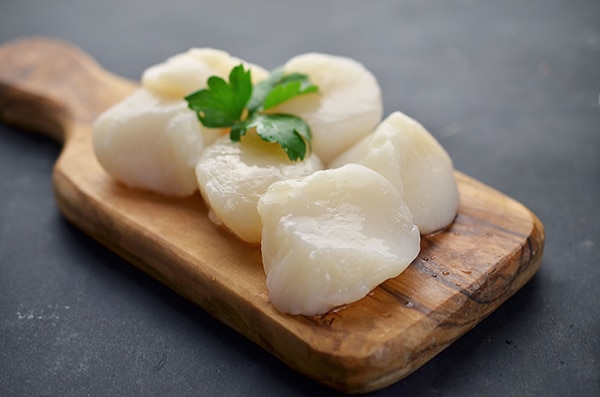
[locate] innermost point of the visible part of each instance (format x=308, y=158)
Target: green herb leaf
x=278, y=88
x=222, y=104
x=262, y=89
x=290, y=132
x=287, y=91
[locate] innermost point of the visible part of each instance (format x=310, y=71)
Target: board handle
x=49, y=86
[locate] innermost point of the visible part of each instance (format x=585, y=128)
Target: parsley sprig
x=240, y=106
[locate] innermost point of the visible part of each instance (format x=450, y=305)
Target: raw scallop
x=331, y=237
x=151, y=143
x=347, y=107
x=405, y=153
x=187, y=72
x=233, y=175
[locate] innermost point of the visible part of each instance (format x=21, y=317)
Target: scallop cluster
x=332, y=226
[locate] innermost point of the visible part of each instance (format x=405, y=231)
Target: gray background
x=511, y=89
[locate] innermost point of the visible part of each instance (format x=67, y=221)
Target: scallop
x=233, y=175
x=151, y=143
x=403, y=151
x=347, y=107
x=187, y=72
x=331, y=237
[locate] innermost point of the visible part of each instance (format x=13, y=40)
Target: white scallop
x=151, y=143
x=348, y=106
x=233, y=175
x=187, y=72
x=405, y=153
x=329, y=238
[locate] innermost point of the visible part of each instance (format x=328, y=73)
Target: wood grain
x=463, y=274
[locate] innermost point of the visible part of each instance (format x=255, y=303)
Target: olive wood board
x=461, y=275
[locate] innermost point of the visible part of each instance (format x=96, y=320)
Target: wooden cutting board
x=461, y=275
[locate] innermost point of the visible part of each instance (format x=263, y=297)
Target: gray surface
x=510, y=88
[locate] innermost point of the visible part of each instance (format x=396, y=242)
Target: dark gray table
x=510, y=88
